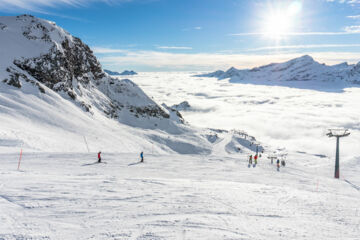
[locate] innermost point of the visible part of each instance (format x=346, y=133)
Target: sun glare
x=280, y=20
x=277, y=25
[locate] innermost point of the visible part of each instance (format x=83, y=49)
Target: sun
x=279, y=21
x=277, y=25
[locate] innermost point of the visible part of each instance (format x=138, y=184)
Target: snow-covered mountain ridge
x=304, y=68
x=55, y=96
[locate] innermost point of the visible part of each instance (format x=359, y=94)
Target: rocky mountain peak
x=50, y=59
x=304, y=58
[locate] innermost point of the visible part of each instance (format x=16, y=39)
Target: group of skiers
x=278, y=164
x=250, y=160
x=258, y=156
x=255, y=160
x=141, y=157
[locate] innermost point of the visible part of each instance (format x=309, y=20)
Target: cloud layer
x=159, y=60
x=294, y=118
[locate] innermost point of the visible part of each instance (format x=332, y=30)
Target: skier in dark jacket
x=250, y=160
x=278, y=164
x=142, y=157
x=99, y=157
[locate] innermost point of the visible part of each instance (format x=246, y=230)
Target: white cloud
x=193, y=28
x=102, y=50
x=304, y=46
x=174, y=48
x=210, y=61
x=353, y=29
x=40, y=5
x=354, y=17
x=346, y=32
x=351, y=2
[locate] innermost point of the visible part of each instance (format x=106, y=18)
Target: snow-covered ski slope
x=68, y=196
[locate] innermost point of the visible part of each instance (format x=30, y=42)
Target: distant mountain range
x=126, y=72
x=302, y=69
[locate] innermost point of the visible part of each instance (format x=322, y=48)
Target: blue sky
x=192, y=35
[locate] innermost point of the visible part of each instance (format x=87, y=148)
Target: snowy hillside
x=302, y=69
x=56, y=97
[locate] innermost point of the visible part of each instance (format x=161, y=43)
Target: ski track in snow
x=56, y=196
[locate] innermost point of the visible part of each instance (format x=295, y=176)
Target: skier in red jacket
x=99, y=157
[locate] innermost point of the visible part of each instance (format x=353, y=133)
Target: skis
x=89, y=164
x=132, y=164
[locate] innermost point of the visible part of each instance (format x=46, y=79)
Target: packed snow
x=69, y=196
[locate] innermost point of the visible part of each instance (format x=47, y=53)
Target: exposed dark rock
x=15, y=77
x=57, y=69
x=152, y=111
x=181, y=106
x=2, y=26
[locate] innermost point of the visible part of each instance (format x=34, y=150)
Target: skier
x=283, y=163
x=278, y=165
x=255, y=160
x=99, y=157
x=142, y=156
x=250, y=161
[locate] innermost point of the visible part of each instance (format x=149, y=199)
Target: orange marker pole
x=19, y=160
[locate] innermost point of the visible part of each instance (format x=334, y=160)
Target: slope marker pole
x=86, y=144
x=19, y=160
